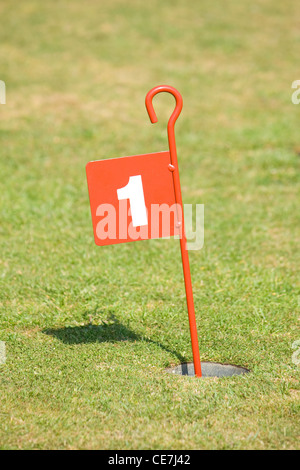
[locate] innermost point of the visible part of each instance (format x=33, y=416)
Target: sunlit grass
x=89, y=330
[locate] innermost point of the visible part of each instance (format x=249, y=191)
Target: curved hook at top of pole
x=159, y=89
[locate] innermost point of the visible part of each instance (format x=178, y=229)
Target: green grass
x=89, y=330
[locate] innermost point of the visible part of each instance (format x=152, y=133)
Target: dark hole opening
x=209, y=369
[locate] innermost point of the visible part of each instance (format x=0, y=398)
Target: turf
x=88, y=330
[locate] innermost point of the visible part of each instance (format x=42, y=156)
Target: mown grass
x=89, y=330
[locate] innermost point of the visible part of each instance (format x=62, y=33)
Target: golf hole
x=209, y=369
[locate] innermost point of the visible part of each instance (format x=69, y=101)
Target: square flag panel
x=132, y=198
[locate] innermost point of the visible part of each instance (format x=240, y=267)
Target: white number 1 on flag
x=135, y=193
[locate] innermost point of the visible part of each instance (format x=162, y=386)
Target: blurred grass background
x=89, y=330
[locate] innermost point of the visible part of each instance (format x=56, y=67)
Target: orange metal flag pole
x=183, y=243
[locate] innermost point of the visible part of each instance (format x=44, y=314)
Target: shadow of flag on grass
x=111, y=330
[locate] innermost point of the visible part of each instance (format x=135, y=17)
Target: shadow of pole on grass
x=111, y=330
